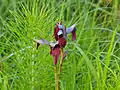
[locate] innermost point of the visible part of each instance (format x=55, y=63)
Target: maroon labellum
x=55, y=52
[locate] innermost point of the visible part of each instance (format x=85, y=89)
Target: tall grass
x=93, y=61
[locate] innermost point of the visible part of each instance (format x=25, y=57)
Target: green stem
x=57, y=73
x=60, y=67
x=61, y=60
x=56, y=78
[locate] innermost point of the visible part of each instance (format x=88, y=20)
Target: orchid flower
x=65, y=30
x=54, y=46
x=60, y=35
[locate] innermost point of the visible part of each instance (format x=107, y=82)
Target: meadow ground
x=93, y=60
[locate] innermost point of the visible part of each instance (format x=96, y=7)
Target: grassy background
x=93, y=61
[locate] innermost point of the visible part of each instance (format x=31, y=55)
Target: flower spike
x=56, y=48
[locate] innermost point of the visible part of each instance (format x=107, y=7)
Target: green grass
x=93, y=61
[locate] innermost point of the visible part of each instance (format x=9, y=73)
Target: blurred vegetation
x=93, y=61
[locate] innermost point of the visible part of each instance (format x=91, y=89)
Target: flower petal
x=53, y=44
x=43, y=41
x=55, y=52
x=70, y=29
x=56, y=59
x=56, y=30
x=62, y=42
x=74, y=35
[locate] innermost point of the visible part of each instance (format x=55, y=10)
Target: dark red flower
x=65, y=30
x=55, y=52
x=60, y=35
x=56, y=30
x=62, y=42
x=54, y=47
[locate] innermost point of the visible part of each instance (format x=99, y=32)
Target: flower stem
x=57, y=72
x=60, y=67
x=61, y=60
x=56, y=78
